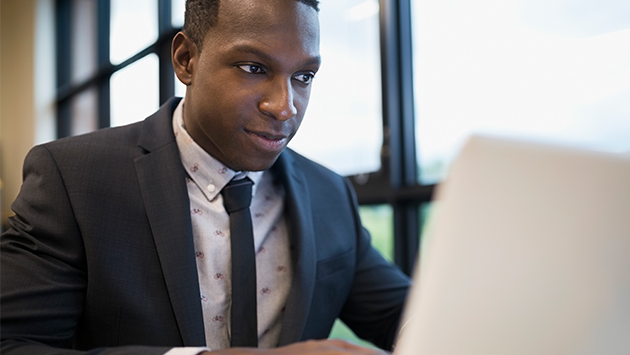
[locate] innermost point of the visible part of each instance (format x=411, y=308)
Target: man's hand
x=311, y=347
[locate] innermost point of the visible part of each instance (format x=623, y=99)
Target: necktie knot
x=237, y=195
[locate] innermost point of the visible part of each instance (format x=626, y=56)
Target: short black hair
x=200, y=15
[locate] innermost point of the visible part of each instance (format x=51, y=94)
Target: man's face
x=251, y=82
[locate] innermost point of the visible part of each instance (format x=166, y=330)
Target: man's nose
x=278, y=101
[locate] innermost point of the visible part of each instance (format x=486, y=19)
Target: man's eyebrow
x=245, y=48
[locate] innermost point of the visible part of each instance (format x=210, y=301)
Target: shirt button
x=211, y=187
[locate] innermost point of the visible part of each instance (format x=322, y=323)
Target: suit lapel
x=162, y=182
x=298, y=207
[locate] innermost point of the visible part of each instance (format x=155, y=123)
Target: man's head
x=248, y=66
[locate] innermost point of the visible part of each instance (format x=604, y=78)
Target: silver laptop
x=528, y=252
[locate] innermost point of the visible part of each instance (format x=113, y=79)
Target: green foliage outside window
x=379, y=221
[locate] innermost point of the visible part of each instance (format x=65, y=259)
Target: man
x=120, y=241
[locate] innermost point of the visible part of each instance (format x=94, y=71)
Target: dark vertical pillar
x=103, y=36
x=167, y=79
x=64, y=63
x=398, y=112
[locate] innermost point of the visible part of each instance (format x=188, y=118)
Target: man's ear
x=184, y=55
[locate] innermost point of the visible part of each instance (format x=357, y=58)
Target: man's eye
x=252, y=68
x=305, y=78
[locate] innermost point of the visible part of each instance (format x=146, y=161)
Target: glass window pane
x=553, y=70
x=425, y=213
x=83, y=108
x=379, y=221
x=180, y=89
x=341, y=331
x=134, y=26
x=177, y=13
x=343, y=125
x=134, y=91
x=84, y=63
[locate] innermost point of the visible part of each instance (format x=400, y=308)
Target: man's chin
x=256, y=163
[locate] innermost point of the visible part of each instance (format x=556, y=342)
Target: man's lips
x=273, y=142
x=267, y=135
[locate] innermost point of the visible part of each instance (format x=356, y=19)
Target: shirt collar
x=205, y=170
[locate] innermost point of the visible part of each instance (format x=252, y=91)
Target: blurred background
x=403, y=83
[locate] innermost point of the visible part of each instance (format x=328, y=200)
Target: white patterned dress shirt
x=211, y=233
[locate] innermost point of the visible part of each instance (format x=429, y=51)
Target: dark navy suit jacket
x=100, y=253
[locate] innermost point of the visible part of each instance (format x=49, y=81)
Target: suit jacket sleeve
x=44, y=268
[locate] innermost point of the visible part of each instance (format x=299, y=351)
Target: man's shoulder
x=104, y=141
x=123, y=133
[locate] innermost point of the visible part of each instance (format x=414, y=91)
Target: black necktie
x=237, y=196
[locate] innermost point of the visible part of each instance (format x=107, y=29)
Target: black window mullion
x=167, y=79
x=390, y=90
x=398, y=106
x=405, y=75
x=406, y=231
x=64, y=63
x=103, y=38
x=399, y=124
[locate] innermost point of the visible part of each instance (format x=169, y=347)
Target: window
x=134, y=91
x=343, y=126
x=103, y=47
x=134, y=26
x=553, y=70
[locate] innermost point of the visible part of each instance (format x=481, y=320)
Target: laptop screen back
x=528, y=252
